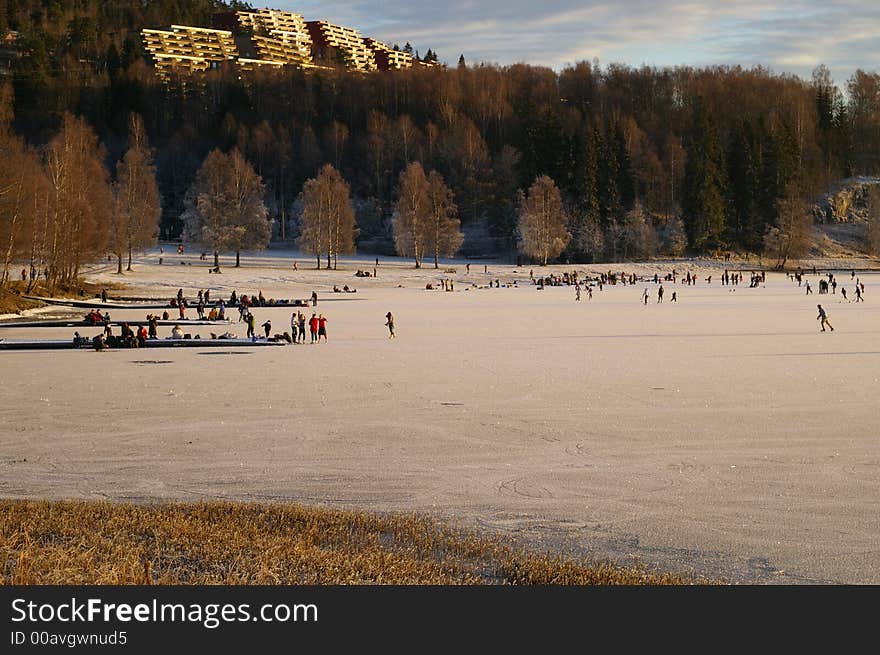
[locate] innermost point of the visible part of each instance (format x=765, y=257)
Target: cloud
x=791, y=36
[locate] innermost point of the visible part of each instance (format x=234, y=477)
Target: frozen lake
x=722, y=435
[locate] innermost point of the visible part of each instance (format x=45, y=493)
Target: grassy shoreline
x=97, y=542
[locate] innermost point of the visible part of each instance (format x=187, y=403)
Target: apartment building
x=330, y=42
x=278, y=35
x=185, y=49
x=266, y=20
x=269, y=39
x=387, y=58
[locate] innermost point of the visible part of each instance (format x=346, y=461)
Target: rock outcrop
x=846, y=202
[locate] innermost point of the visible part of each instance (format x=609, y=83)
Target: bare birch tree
x=22, y=184
x=328, y=222
x=81, y=200
x=542, y=221
x=790, y=236
x=412, y=215
x=445, y=229
x=137, y=210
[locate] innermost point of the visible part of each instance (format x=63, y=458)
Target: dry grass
x=12, y=303
x=68, y=542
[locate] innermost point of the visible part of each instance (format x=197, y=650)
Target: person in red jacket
x=313, y=327
x=142, y=336
x=322, y=327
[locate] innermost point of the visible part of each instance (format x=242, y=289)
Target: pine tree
x=743, y=171
x=610, y=207
x=843, y=139
x=626, y=184
x=703, y=204
x=584, y=226
x=779, y=175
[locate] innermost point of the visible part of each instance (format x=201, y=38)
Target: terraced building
x=335, y=43
x=387, y=58
x=278, y=36
x=184, y=49
x=268, y=39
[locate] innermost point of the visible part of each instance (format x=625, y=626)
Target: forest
x=645, y=159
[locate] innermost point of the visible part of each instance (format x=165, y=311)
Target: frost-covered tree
x=412, y=215
x=542, y=221
x=674, y=237
x=224, y=208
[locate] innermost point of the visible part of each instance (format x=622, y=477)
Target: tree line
x=645, y=160
x=61, y=209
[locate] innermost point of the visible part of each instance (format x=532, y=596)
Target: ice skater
x=660, y=293
x=577, y=292
x=267, y=327
x=823, y=318
x=645, y=296
x=390, y=325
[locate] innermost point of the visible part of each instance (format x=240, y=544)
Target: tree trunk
x=318, y=259
x=119, y=263
x=216, y=259
x=129, y=259
x=237, y=259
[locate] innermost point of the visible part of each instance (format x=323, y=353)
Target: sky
x=785, y=36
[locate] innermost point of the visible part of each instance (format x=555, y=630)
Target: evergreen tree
x=843, y=139
x=610, y=207
x=703, y=209
x=626, y=184
x=584, y=225
x=779, y=175
x=744, y=173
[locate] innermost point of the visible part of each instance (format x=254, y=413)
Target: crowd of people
x=314, y=328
